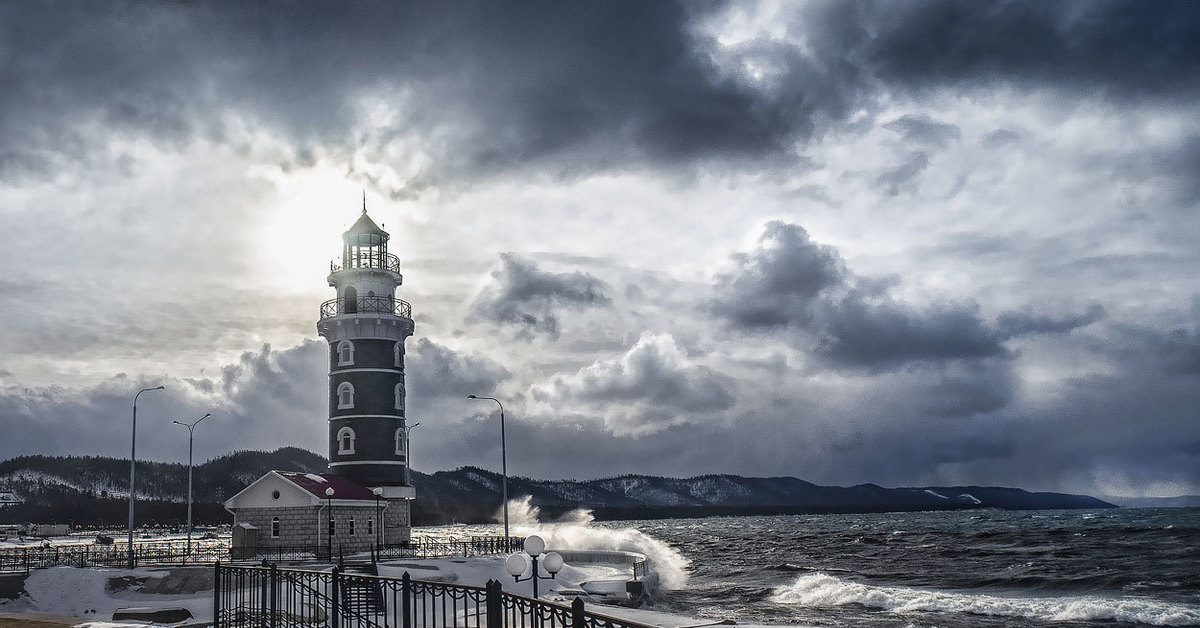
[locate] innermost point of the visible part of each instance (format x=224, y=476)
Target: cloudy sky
x=897, y=242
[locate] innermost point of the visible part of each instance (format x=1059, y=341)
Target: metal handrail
x=367, y=305
x=368, y=260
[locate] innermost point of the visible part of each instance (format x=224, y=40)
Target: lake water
x=949, y=569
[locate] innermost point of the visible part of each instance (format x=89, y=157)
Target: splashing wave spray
x=572, y=532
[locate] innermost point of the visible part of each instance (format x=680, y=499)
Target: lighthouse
x=365, y=325
x=365, y=499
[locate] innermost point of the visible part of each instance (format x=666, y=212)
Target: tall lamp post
x=329, y=527
x=503, y=462
x=132, y=467
x=408, y=453
x=191, y=427
x=378, y=491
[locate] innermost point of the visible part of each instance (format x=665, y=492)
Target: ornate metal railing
x=269, y=596
x=367, y=305
x=175, y=552
x=370, y=260
x=420, y=548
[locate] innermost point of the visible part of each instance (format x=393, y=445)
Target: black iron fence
x=25, y=559
x=207, y=551
x=417, y=548
x=272, y=597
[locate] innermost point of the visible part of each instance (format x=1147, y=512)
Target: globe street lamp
x=503, y=463
x=191, y=427
x=329, y=528
x=132, y=467
x=516, y=564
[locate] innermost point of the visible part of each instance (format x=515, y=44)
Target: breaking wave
x=573, y=532
x=824, y=590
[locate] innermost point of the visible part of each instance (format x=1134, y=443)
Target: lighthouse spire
x=364, y=200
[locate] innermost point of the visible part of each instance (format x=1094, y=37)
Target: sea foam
x=823, y=590
x=572, y=532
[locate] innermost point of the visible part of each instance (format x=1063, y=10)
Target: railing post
x=217, y=594
x=493, y=605
x=335, y=614
x=274, y=593
x=406, y=601
x=577, y=617
x=262, y=596
x=27, y=560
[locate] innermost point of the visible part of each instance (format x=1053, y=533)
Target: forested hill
x=94, y=490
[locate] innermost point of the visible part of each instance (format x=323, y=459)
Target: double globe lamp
x=516, y=564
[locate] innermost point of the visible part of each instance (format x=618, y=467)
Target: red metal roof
x=316, y=483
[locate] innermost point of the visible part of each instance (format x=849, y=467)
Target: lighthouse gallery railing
x=366, y=305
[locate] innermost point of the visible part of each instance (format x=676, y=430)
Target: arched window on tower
x=400, y=442
x=345, y=439
x=345, y=351
x=399, y=393
x=399, y=357
x=345, y=394
x=350, y=300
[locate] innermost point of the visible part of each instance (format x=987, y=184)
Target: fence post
x=406, y=601
x=577, y=620
x=217, y=594
x=336, y=612
x=495, y=614
x=273, y=609
x=262, y=595
x=26, y=560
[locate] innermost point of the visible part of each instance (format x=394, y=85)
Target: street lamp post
x=329, y=526
x=408, y=453
x=378, y=491
x=534, y=546
x=132, y=467
x=503, y=462
x=191, y=427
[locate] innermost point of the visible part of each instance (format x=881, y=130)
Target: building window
x=274, y=527
x=400, y=442
x=345, y=394
x=345, y=351
x=399, y=355
x=332, y=526
x=345, y=440
x=349, y=300
x=351, y=526
x=399, y=392
x=370, y=528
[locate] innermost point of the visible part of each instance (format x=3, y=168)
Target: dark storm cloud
x=902, y=178
x=567, y=88
x=779, y=282
x=653, y=370
x=434, y=371
x=922, y=129
x=529, y=298
x=789, y=282
x=1020, y=323
x=265, y=400
x=1120, y=49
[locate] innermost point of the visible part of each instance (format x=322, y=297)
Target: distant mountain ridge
x=94, y=490
x=639, y=496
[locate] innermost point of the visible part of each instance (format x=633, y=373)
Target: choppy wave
x=823, y=590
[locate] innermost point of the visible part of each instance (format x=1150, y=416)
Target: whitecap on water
x=823, y=590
